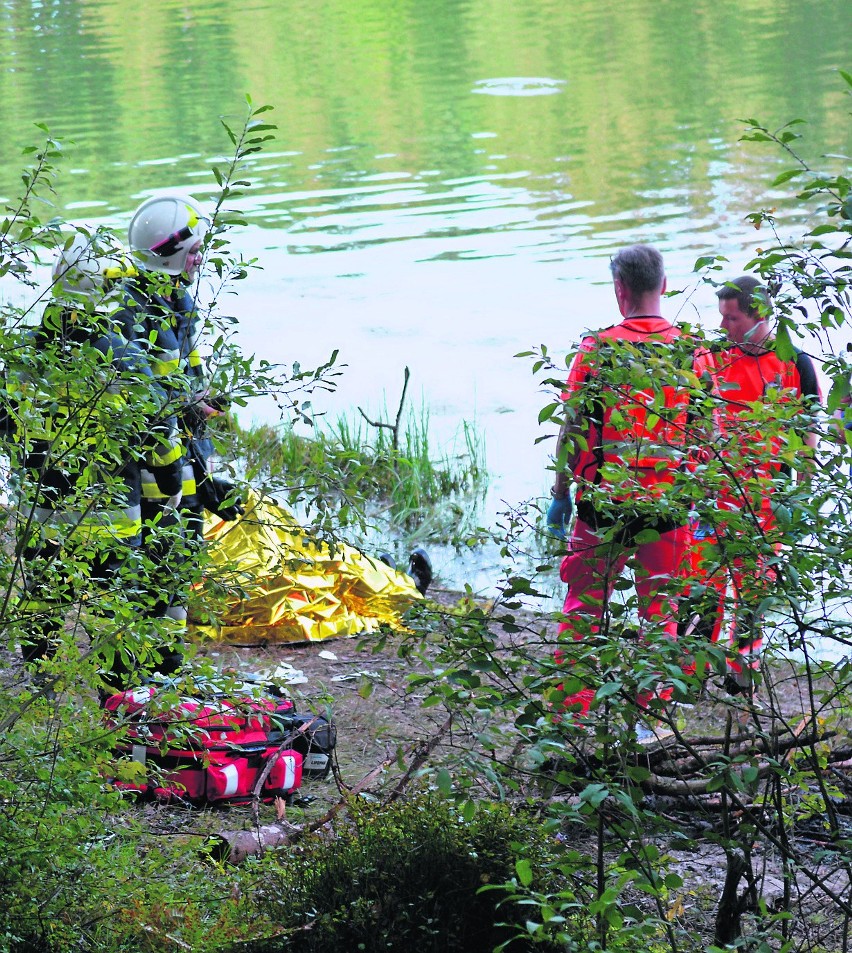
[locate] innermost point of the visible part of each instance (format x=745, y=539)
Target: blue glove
x=559, y=517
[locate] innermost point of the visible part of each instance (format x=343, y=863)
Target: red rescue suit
x=638, y=440
x=747, y=384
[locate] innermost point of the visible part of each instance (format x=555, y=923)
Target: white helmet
x=163, y=229
x=85, y=263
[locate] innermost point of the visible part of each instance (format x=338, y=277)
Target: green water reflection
x=650, y=98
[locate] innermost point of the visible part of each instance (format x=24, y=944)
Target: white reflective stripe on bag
x=232, y=779
x=289, y=763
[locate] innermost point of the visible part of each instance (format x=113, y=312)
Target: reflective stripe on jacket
x=118, y=523
x=165, y=325
x=750, y=383
x=150, y=490
x=73, y=413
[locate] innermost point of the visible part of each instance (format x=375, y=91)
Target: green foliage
x=417, y=492
x=76, y=870
x=544, y=830
x=79, y=872
x=406, y=876
x=55, y=823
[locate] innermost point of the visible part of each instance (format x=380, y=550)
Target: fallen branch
x=690, y=765
x=419, y=760
x=235, y=846
x=662, y=784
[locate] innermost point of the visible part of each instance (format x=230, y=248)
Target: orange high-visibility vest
x=750, y=382
x=638, y=437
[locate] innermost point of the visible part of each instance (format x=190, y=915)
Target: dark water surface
x=448, y=179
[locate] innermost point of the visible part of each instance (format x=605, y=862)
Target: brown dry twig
x=419, y=760
x=237, y=845
x=394, y=427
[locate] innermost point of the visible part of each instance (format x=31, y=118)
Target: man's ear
x=620, y=294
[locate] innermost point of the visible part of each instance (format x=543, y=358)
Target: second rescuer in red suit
x=760, y=396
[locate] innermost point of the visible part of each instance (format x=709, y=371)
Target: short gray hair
x=640, y=268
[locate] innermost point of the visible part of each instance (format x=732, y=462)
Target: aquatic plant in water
x=419, y=491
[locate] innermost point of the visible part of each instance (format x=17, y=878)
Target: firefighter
x=84, y=410
x=625, y=459
x=166, y=234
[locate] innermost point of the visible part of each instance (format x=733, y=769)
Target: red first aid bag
x=212, y=749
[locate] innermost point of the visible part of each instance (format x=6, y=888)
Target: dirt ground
x=385, y=735
x=364, y=691
x=382, y=729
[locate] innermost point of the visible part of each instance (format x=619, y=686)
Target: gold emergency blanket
x=287, y=588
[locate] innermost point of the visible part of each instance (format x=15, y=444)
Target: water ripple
x=518, y=86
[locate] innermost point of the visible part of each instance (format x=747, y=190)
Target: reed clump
x=394, y=467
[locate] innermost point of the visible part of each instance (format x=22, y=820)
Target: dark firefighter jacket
x=86, y=412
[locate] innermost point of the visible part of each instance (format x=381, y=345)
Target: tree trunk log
x=237, y=845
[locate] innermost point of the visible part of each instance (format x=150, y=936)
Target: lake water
x=448, y=179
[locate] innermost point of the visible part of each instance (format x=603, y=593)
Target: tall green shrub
x=405, y=876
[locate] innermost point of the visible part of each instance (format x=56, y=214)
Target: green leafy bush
x=403, y=877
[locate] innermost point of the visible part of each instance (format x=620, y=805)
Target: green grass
x=424, y=492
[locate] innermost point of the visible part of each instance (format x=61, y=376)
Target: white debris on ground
x=285, y=672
